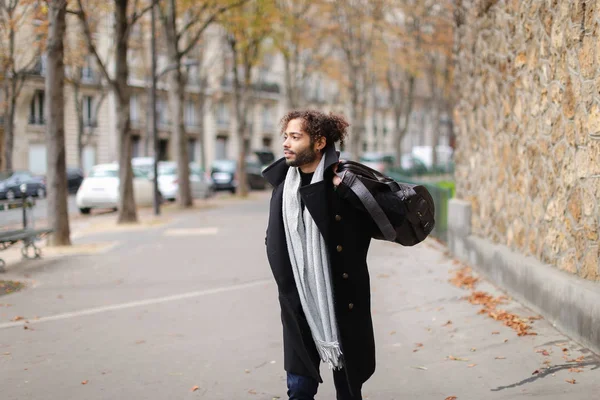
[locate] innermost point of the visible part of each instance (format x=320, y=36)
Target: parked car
x=11, y=181
x=143, y=164
x=74, y=179
x=224, y=176
x=100, y=189
x=201, y=184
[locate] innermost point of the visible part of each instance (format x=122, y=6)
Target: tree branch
x=135, y=17
x=212, y=19
x=90, y=45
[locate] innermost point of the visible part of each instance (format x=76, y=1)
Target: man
x=317, y=240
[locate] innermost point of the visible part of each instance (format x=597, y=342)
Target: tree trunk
x=176, y=100
x=290, y=91
x=239, y=100
x=355, y=121
x=80, y=128
x=202, y=135
x=176, y=97
x=126, y=205
x=9, y=126
x=58, y=214
x=402, y=110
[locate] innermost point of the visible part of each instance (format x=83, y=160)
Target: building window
x=134, y=112
x=88, y=111
x=36, y=111
x=163, y=149
x=136, y=146
x=192, y=150
x=162, y=112
x=222, y=115
x=221, y=148
x=190, y=113
x=87, y=72
x=267, y=118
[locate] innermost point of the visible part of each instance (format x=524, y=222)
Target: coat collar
x=275, y=173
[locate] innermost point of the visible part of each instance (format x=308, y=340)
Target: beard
x=304, y=157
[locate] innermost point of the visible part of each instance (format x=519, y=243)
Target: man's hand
x=336, y=179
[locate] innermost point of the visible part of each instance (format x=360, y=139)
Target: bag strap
x=383, y=223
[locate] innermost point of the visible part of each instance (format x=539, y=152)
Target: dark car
x=11, y=181
x=74, y=179
x=223, y=174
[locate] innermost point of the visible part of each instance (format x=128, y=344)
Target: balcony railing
x=37, y=120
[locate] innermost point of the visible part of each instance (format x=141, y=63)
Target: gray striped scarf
x=310, y=265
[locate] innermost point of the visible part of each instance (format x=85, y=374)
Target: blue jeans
x=305, y=388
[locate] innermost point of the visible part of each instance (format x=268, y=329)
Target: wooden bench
x=27, y=235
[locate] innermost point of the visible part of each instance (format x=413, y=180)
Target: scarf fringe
x=330, y=353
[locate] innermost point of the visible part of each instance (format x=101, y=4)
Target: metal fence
x=441, y=192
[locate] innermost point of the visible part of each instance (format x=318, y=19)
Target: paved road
x=40, y=212
x=192, y=303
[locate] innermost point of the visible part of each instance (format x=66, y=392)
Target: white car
x=201, y=185
x=100, y=189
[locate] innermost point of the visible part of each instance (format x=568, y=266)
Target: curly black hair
x=332, y=127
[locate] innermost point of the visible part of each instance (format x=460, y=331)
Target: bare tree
x=355, y=25
x=124, y=21
x=299, y=36
x=58, y=214
x=247, y=28
x=16, y=61
x=184, y=24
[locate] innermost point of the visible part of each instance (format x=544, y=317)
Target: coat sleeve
x=392, y=205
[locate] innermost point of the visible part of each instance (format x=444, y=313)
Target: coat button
x=350, y=306
x=339, y=248
x=338, y=218
x=345, y=275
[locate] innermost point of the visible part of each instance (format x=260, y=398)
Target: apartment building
x=209, y=116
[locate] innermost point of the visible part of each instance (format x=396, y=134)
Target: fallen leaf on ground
x=252, y=391
x=84, y=382
x=495, y=333
x=17, y=318
x=451, y=398
x=548, y=362
x=194, y=389
x=471, y=365
x=505, y=340
x=571, y=381
x=140, y=342
x=500, y=358
x=457, y=358
x=419, y=344
x=575, y=370
x=422, y=368
x=565, y=350
x=578, y=359
x=537, y=371
x=415, y=350
x=464, y=279
x=473, y=349
x=543, y=352
x=448, y=323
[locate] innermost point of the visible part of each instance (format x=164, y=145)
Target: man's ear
x=321, y=142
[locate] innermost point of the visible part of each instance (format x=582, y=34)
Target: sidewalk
x=160, y=314
x=105, y=222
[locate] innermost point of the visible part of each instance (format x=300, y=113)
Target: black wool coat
x=347, y=230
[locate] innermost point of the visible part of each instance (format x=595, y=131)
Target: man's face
x=298, y=148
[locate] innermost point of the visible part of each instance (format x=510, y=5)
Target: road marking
x=191, y=232
x=133, y=304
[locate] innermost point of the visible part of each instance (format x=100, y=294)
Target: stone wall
x=528, y=127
